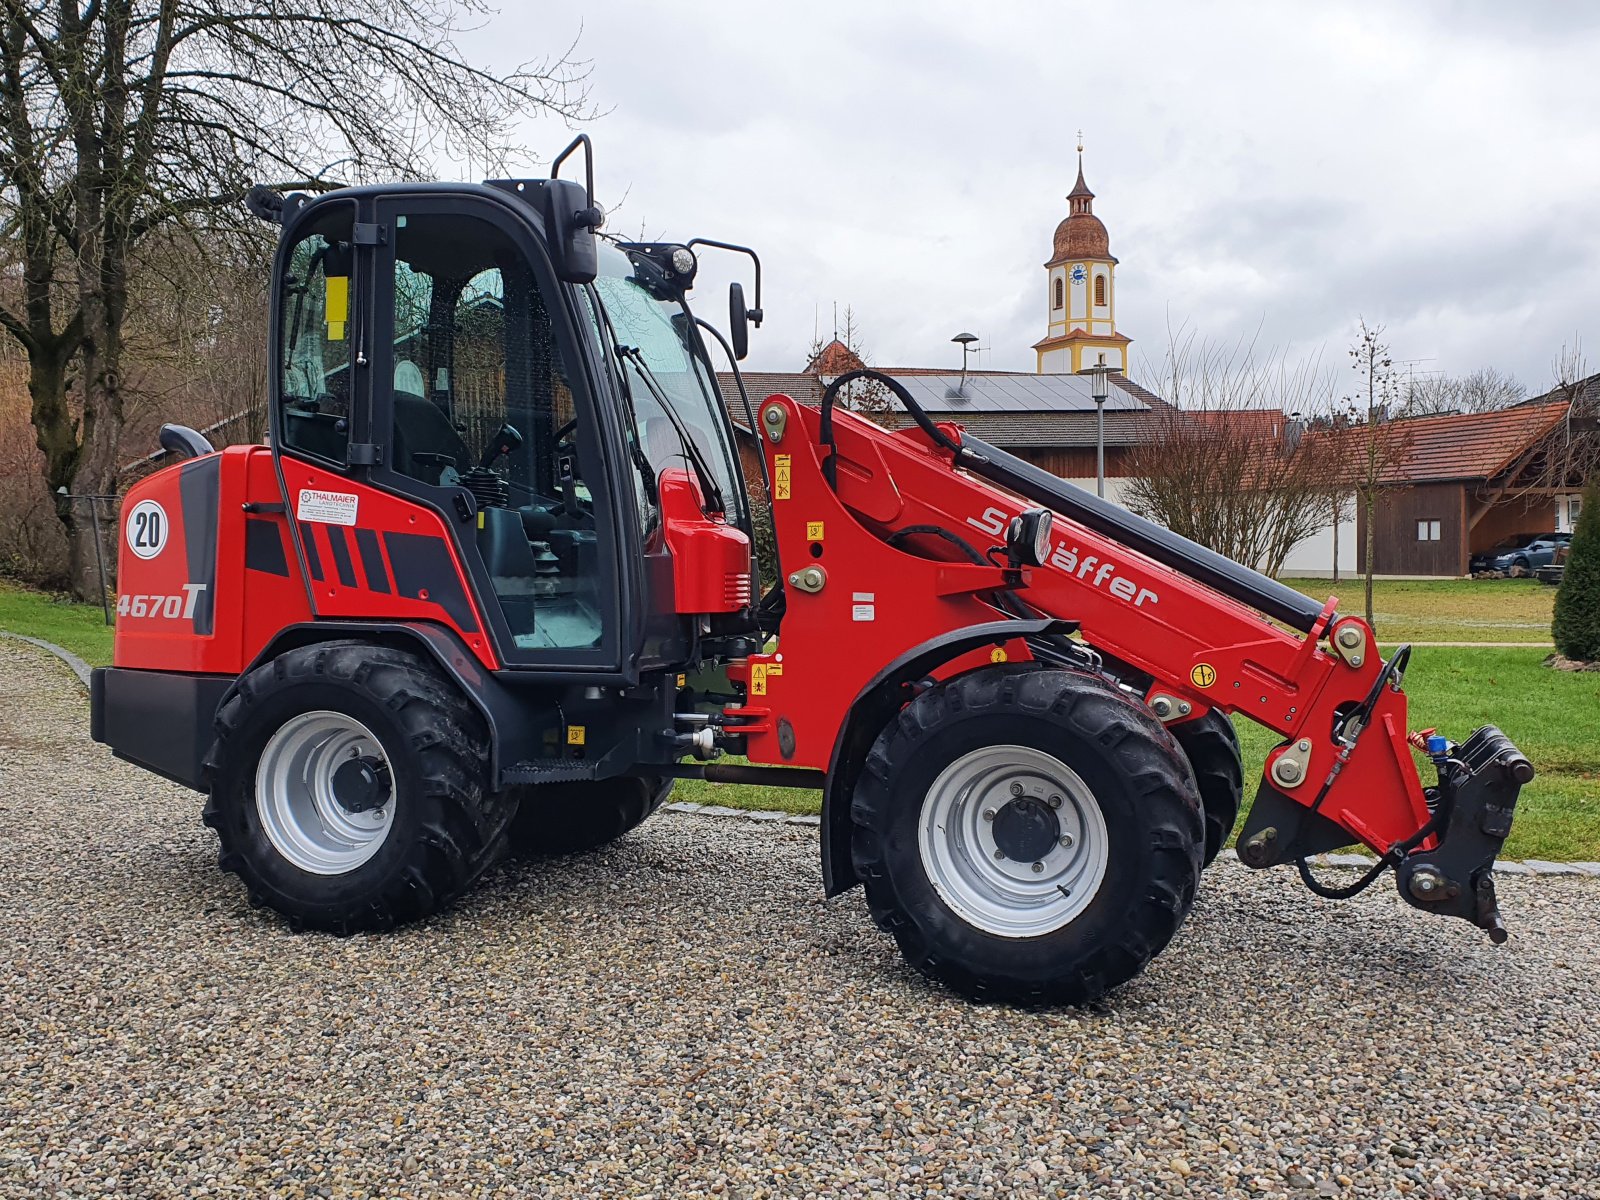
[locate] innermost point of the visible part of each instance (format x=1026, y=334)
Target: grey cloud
x=1271, y=168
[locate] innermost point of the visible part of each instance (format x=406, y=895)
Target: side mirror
x=738, y=320
x=569, y=223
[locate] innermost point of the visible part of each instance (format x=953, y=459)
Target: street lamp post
x=1099, y=391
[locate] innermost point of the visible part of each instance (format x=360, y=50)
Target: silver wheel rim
x=295, y=798
x=1005, y=896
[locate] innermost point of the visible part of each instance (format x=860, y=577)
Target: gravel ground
x=682, y=1015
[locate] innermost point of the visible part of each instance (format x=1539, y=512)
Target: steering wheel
x=563, y=436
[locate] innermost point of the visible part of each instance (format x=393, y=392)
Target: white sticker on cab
x=330, y=508
x=863, y=612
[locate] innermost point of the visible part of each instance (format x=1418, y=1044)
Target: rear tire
x=569, y=818
x=1212, y=748
x=352, y=852
x=976, y=914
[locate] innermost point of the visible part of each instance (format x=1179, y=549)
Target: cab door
x=483, y=409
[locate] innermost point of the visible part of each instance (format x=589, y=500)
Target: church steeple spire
x=1080, y=198
x=1080, y=277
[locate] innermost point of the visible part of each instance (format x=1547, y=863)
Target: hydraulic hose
x=830, y=465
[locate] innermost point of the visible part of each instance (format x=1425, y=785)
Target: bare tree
x=1232, y=463
x=846, y=352
x=120, y=119
x=1380, y=442
x=1483, y=390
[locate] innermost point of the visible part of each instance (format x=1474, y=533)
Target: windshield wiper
x=702, y=470
x=635, y=453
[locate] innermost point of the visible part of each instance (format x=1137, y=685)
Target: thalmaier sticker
x=328, y=508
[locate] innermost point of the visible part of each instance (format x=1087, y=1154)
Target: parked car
x=1520, y=554
x=1558, y=567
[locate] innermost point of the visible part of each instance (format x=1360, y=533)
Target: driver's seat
x=422, y=427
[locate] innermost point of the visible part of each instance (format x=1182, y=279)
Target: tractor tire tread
x=1157, y=777
x=1212, y=747
x=463, y=829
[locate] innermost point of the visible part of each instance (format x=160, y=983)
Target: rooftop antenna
x=965, y=341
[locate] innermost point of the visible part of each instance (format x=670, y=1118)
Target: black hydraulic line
x=1393, y=857
x=1189, y=558
x=939, y=531
x=830, y=465
x=1005, y=599
x=1010, y=472
x=1350, y=728
x=744, y=396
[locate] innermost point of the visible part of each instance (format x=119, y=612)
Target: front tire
x=1027, y=835
x=1212, y=748
x=348, y=788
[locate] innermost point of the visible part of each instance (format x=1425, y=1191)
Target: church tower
x=1080, y=292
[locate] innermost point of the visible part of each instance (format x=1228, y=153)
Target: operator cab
x=427, y=343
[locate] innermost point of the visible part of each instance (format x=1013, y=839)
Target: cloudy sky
x=1267, y=171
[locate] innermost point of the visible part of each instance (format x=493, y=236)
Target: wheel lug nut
x=1016, y=789
x=1038, y=868
x=1066, y=839
x=1055, y=801
x=999, y=853
x=988, y=814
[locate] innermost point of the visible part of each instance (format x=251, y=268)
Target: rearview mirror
x=738, y=320
x=569, y=223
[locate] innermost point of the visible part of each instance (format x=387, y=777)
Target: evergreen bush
x=1576, y=627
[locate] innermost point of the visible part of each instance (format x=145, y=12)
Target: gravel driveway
x=683, y=1015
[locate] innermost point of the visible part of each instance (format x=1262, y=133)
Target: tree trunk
x=1371, y=541
x=56, y=434
x=1336, y=538
x=96, y=475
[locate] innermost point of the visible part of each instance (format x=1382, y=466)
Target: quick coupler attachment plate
x=1477, y=797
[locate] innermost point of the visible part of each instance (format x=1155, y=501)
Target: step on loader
x=491, y=584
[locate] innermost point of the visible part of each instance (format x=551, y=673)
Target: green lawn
x=1554, y=716
x=80, y=628
x=1446, y=610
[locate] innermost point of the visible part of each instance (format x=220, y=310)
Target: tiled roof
x=835, y=359
x=807, y=389
x=1461, y=445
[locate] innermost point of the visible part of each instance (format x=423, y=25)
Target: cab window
x=483, y=401
x=315, y=333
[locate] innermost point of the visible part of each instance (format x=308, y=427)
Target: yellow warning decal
x=813, y=531
x=1203, y=675
x=780, y=476
x=774, y=668
x=576, y=735
x=998, y=654
x=758, y=679
x=683, y=681
x=336, y=305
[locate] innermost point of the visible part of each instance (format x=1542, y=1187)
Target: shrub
x=1577, y=617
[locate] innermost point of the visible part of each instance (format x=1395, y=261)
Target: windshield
x=650, y=320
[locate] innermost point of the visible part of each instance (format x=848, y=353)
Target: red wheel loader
x=492, y=583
